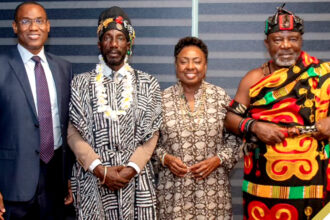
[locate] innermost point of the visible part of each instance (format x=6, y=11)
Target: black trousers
x=48, y=201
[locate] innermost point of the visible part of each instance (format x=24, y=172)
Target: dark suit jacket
x=19, y=128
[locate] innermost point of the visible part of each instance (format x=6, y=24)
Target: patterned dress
x=193, y=142
x=115, y=141
x=288, y=180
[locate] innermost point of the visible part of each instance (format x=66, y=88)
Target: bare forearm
x=232, y=121
x=82, y=150
x=144, y=152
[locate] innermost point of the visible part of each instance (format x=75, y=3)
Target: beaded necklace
x=127, y=94
x=194, y=118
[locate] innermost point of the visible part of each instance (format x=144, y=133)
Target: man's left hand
x=128, y=173
x=2, y=207
x=69, y=198
x=202, y=169
x=323, y=129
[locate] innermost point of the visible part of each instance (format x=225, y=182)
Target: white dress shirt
x=29, y=67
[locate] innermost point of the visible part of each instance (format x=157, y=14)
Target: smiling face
x=191, y=66
x=31, y=36
x=284, y=47
x=113, y=47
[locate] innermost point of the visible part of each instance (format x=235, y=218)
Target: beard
x=285, y=61
x=113, y=61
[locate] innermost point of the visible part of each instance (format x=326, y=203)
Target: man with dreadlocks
x=115, y=114
x=282, y=110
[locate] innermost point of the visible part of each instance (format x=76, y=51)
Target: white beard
x=285, y=63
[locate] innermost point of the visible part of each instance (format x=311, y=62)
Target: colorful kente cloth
x=289, y=180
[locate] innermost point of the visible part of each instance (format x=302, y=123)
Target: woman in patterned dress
x=195, y=154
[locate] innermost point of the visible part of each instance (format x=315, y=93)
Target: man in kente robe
x=282, y=111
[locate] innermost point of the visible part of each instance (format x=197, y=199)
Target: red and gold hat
x=284, y=20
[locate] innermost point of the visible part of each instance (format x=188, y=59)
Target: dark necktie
x=44, y=113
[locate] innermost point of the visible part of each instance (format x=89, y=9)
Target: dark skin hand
x=2, y=207
x=202, y=169
x=175, y=164
x=127, y=173
x=69, y=198
x=268, y=133
x=67, y=201
x=113, y=180
x=323, y=127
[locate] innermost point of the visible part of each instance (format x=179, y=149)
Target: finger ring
x=285, y=132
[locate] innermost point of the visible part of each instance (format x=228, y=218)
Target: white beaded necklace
x=127, y=94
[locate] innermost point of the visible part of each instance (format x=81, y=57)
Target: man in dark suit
x=34, y=98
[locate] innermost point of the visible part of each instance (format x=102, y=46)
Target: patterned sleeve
x=158, y=154
x=160, y=150
x=229, y=154
x=154, y=112
x=77, y=110
x=229, y=149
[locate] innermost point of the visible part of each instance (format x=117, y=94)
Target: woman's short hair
x=190, y=41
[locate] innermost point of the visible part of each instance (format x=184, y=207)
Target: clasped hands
x=199, y=170
x=116, y=177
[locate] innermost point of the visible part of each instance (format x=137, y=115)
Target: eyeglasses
x=27, y=22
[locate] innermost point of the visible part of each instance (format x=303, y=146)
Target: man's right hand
x=268, y=133
x=112, y=180
x=175, y=164
x=2, y=207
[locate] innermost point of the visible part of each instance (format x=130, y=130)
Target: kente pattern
x=293, y=170
x=283, y=192
x=259, y=211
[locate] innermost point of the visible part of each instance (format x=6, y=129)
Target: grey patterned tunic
x=115, y=141
x=187, y=198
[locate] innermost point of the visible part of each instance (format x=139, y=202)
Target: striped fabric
x=283, y=192
x=233, y=30
x=115, y=141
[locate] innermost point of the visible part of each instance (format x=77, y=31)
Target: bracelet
x=163, y=158
x=245, y=125
x=237, y=108
x=105, y=175
x=218, y=154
